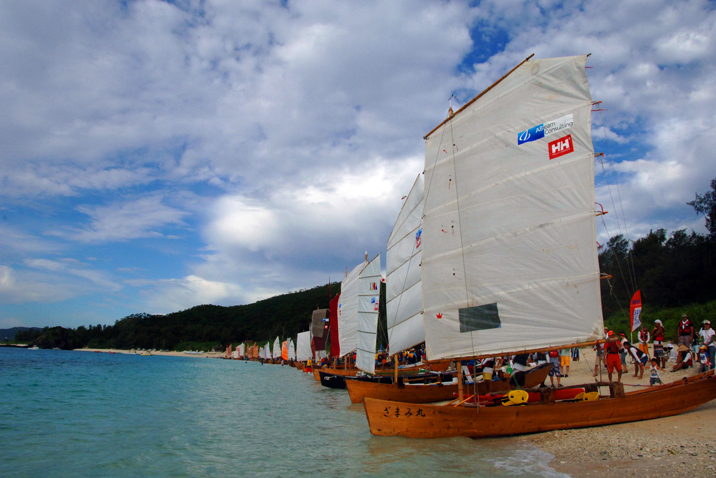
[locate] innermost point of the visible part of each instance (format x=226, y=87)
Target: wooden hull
x=428, y=421
x=435, y=392
x=351, y=372
x=299, y=365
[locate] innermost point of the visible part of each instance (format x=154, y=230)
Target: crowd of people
x=691, y=348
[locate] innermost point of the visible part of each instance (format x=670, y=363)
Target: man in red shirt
x=614, y=360
x=686, y=331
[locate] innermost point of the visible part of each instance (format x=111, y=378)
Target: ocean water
x=69, y=414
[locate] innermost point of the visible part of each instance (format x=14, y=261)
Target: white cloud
x=307, y=120
x=123, y=221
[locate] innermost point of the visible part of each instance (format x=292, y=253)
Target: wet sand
x=683, y=445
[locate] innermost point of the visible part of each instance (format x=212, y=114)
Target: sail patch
x=482, y=317
x=545, y=129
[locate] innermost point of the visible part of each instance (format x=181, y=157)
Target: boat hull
x=435, y=392
x=388, y=418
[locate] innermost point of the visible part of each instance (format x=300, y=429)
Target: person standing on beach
x=564, y=361
x=599, y=348
x=658, y=334
x=554, y=371
x=612, y=348
x=654, y=377
x=708, y=335
x=685, y=331
x=644, y=340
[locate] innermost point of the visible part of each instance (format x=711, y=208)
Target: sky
x=159, y=155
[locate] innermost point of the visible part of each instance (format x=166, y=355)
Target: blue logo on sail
x=531, y=134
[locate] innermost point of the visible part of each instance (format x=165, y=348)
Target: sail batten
x=509, y=259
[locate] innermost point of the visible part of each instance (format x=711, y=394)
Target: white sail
x=303, y=346
x=277, y=348
x=291, y=350
x=267, y=350
x=348, y=311
x=242, y=349
x=262, y=352
x=404, y=300
x=509, y=252
x=368, y=308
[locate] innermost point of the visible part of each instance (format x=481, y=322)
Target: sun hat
x=657, y=321
x=702, y=347
x=610, y=334
x=683, y=348
x=669, y=346
x=684, y=316
x=707, y=322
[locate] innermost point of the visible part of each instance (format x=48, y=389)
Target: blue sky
x=160, y=155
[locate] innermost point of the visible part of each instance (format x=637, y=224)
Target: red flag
x=635, y=311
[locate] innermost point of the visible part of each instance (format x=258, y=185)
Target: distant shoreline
x=140, y=352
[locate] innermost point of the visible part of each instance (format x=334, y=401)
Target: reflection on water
x=78, y=413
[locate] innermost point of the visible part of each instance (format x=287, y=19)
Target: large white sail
x=509, y=252
x=348, y=311
x=242, y=350
x=303, y=346
x=277, y=348
x=404, y=300
x=368, y=309
x=291, y=350
x=267, y=350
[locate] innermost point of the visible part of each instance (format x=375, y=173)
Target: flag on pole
x=635, y=311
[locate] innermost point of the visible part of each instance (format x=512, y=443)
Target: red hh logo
x=560, y=147
x=439, y=316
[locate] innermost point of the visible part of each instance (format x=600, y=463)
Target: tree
x=706, y=205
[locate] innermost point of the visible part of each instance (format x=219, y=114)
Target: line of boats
x=493, y=254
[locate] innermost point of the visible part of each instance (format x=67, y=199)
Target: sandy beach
x=680, y=445
x=170, y=354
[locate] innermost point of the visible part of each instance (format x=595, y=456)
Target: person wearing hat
x=611, y=348
x=708, y=335
x=685, y=331
x=685, y=359
x=658, y=334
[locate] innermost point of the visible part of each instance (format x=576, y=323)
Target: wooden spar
x=459, y=381
x=528, y=351
x=395, y=380
x=478, y=96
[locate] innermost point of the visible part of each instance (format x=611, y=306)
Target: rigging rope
x=630, y=259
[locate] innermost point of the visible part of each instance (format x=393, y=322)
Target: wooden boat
x=420, y=393
x=342, y=372
x=299, y=366
x=387, y=418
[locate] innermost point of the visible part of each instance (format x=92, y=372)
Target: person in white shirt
x=709, y=335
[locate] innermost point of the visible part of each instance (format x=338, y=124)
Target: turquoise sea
x=69, y=414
